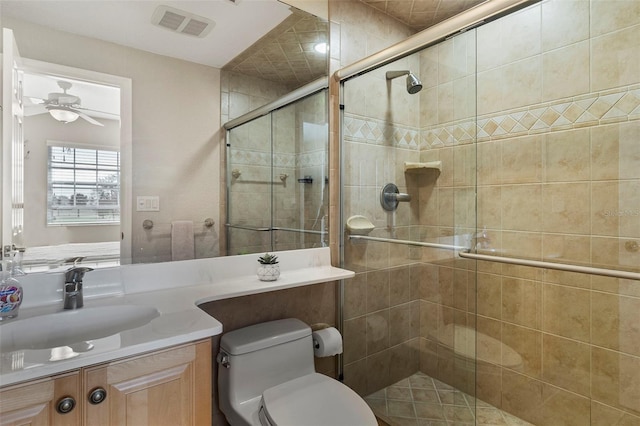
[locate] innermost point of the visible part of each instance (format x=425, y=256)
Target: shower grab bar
x=466, y=254
x=613, y=273
x=247, y=228
x=275, y=228
x=302, y=231
x=407, y=242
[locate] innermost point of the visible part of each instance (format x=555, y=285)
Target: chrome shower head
x=414, y=85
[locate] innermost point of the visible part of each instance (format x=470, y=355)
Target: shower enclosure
x=506, y=290
x=277, y=178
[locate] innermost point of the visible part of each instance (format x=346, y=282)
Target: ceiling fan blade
x=114, y=116
x=33, y=109
x=87, y=118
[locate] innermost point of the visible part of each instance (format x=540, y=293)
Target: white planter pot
x=268, y=272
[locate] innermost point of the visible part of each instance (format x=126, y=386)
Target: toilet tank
x=259, y=357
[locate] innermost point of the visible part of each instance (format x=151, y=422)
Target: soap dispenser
x=10, y=291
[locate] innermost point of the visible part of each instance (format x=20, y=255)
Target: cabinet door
x=171, y=387
x=36, y=403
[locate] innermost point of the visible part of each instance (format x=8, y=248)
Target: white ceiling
x=128, y=23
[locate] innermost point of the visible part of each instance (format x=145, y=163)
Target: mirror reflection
x=122, y=124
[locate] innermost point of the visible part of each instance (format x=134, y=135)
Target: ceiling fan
x=64, y=106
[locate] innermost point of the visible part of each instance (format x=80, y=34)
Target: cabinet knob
x=66, y=405
x=97, y=396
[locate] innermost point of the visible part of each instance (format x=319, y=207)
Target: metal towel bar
x=466, y=254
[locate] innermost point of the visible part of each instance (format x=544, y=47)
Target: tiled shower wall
x=381, y=311
x=558, y=175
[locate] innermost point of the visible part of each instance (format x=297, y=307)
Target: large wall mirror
x=121, y=118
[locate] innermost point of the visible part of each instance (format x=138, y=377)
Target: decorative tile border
x=377, y=132
x=263, y=159
x=594, y=109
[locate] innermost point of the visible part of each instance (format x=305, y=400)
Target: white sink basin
x=72, y=326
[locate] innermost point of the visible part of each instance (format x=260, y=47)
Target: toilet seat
x=314, y=400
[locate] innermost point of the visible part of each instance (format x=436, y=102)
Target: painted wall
x=176, y=122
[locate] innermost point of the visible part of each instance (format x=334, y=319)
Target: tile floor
x=423, y=401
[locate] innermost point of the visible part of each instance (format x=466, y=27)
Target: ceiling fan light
x=63, y=115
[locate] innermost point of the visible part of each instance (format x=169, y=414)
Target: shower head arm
x=395, y=74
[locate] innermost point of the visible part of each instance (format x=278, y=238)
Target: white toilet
x=266, y=377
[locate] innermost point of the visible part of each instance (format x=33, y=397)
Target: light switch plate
x=148, y=203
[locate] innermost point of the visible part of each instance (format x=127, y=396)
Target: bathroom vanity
x=158, y=363
x=171, y=386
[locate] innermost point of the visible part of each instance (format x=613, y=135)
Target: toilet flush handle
x=223, y=359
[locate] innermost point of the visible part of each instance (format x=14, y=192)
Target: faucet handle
x=76, y=274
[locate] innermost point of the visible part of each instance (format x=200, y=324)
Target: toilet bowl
x=267, y=377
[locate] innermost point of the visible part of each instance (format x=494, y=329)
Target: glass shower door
x=249, y=189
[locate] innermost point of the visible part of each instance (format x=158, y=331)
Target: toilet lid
x=315, y=400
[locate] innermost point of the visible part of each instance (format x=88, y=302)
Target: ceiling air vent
x=180, y=21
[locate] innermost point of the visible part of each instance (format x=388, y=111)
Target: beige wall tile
x=614, y=379
x=604, y=415
x=522, y=396
x=490, y=88
x=403, y=323
x=612, y=59
x=355, y=296
x=567, y=248
x=489, y=165
x=522, y=160
x=522, y=302
x=400, y=285
x=521, y=34
x=377, y=290
x=566, y=208
x=608, y=16
x=564, y=22
x=522, y=84
x=521, y=207
x=565, y=71
x=377, y=331
x=615, y=153
x=489, y=295
x=489, y=207
x=355, y=343
x=429, y=320
x=378, y=371
x=566, y=408
x=614, y=322
x=566, y=156
x=605, y=203
x=355, y=376
x=528, y=344
x=567, y=312
x=527, y=244
x=566, y=363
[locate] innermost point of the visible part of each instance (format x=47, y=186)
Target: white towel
x=182, y=245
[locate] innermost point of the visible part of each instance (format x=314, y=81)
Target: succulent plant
x=268, y=259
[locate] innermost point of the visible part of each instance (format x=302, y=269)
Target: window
x=83, y=185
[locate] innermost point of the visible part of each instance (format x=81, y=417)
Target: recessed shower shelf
x=410, y=167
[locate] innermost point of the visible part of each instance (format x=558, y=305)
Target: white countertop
x=175, y=289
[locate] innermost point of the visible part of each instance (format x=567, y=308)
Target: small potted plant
x=269, y=270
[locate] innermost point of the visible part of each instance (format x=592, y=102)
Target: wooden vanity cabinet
x=36, y=403
x=168, y=387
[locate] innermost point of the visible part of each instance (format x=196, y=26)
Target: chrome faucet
x=73, y=287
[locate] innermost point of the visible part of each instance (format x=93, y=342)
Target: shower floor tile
x=420, y=400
